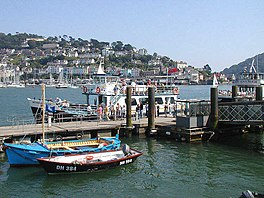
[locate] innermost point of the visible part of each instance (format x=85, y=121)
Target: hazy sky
x=215, y=32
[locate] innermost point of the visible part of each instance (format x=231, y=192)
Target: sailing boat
x=72, y=84
x=50, y=83
x=16, y=83
x=62, y=83
x=215, y=82
x=27, y=154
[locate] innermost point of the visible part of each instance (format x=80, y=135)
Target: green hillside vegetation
x=237, y=69
x=130, y=60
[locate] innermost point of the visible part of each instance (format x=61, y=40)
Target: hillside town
x=65, y=59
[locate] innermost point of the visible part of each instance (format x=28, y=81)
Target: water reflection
x=248, y=141
x=166, y=169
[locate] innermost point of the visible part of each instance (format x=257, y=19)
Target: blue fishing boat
x=26, y=154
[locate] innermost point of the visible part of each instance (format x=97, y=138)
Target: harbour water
x=167, y=168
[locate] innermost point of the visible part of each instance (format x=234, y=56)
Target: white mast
x=100, y=69
x=252, y=68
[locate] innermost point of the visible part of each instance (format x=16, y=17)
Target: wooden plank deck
x=78, y=126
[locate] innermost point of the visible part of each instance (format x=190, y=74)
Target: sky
x=220, y=33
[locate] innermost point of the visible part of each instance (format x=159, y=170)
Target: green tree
x=128, y=47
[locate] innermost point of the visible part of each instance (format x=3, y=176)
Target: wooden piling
x=259, y=93
x=151, y=112
x=128, y=107
x=214, y=108
x=234, y=92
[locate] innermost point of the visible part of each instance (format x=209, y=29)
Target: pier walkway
x=78, y=127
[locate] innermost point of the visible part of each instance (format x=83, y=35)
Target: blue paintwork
x=27, y=154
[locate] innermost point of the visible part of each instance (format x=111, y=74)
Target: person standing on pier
x=140, y=109
x=137, y=112
x=165, y=109
x=123, y=112
x=89, y=109
x=106, y=112
x=157, y=110
x=100, y=112
x=118, y=108
x=111, y=109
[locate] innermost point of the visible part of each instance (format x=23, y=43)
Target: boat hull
x=52, y=167
x=73, y=113
x=27, y=154
x=63, y=116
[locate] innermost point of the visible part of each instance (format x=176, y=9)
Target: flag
x=50, y=109
x=172, y=70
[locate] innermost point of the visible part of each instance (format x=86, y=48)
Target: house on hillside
x=50, y=46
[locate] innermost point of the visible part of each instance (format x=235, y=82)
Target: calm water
x=167, y=168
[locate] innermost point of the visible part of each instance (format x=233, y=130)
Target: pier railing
x=241, y=112
x=192, y=108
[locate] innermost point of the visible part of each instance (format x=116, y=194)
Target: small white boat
x=61, y=86
x=89, y=162
x=13, y=85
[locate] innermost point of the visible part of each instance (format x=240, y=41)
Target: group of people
x=168, y=108
x=139, y=111
x=61, y=103
x=105, y=112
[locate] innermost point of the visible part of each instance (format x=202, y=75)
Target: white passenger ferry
x=249, y=80
x=110, y=91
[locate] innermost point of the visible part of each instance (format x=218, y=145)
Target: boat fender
x=102, y=145
x=98, y=90
x=85, y=89
x=89, y=157
x=247, y=194
x=126, y=149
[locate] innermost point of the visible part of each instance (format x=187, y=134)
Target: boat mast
x=43, y=112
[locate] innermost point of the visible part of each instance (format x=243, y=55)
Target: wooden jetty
x=195, y=120
x=79, y=128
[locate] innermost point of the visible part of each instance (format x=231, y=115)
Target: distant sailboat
x=62, y=83
x=16, y=83
x=50, y=83
x=100, y=70
x=215, y=82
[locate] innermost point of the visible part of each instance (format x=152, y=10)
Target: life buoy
x=98, y=90
x=58, y=138
x=79, y=136
x=175, y=91
x=89, y=157
x=85, y=89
